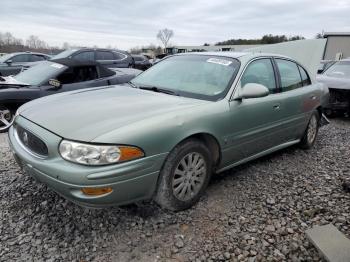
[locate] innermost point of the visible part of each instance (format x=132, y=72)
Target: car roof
x=95, y=49
x=31, y=53
x=235, y=54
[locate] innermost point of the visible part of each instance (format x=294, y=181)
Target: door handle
x=276, y=107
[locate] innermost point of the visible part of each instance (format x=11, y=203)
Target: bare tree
x=164, y=36
x=34, y=42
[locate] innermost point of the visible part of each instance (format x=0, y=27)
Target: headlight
x=89, y=154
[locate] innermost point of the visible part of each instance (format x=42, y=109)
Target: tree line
x=10, y=43
x=266, y=39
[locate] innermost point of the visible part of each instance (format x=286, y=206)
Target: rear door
x=298, y=97
x=106, y=58
x=122, y=60
x=85, y=56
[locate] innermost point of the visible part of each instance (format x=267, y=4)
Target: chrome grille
x=31, y=142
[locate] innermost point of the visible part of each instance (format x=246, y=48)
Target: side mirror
x=252, y=90
x=55, y=83
x=9, y=62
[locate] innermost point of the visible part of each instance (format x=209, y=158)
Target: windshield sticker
x=219, y=61
x=57, y=66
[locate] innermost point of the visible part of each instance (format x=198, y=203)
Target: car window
x=78, y=74
x=20, y=58
x=304, y=77
x=339, y=70
x=104, y=55
x=197, y=76
x=119, y=56
x=138, y=58
x=260, y=72
x=290, y=76
x=85, y=56
x=35, y=58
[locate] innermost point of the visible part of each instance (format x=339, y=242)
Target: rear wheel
x=6, y=118
x=184, y=176
x=311, y=132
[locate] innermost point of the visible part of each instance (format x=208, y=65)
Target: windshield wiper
x=155, y=89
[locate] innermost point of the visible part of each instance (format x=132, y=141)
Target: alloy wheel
x=6, y=118
x=312, y=129
x=189, y=176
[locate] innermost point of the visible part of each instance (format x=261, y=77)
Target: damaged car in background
x=166, y=132
x=52, y=77
x=337, y=78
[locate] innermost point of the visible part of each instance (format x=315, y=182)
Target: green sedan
x=165, y=133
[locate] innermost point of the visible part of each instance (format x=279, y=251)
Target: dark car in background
x=52, y=77
x=11, y=64
x=141, y=62
x=337, y=78
x=107, y=57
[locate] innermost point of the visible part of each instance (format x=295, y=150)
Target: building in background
x=207, y=48
x=338, y=45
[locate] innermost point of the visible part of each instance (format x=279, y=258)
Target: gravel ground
x=256, y=212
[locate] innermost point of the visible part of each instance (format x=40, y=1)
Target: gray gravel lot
x=256, y=212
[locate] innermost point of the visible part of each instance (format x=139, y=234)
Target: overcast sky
x=126, y=24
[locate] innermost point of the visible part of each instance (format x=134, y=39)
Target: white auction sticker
x=56, y=65
x=219, y=61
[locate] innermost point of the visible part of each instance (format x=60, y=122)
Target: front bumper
x=130, y=181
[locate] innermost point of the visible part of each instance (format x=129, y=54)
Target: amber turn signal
x=129, y=153
x=96, y=191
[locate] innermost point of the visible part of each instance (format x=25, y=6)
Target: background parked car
x=324, y=64
x=52, y=77
x=337, y=78
x=11, y=64
x=141, y=62
x=107, y=57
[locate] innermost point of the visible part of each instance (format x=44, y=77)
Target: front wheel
x=184, y=176
x=311, y=132
x=6, y=118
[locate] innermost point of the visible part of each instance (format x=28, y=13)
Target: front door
x=256, y=123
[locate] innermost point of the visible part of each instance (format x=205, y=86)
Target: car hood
x=8, y=81
x=86, y=114
x=333, y=82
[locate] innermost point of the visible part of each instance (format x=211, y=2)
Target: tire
x=7, y=116
x=179, y=185
x=310, y=134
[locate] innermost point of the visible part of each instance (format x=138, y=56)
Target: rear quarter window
x=304, y=77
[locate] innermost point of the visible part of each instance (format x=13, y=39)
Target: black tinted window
x=119, y=56
x=304, y=77
x=290, y=76
x=138, y=58
x=37, y=58
x=78, y=74
x=20, y=58
x=104, y=55
x=260, y=72
x=85, y=56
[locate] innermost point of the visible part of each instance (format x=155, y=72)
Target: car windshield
x=340, y=69
x=40, y=73
x=197, y=76
x=64, y=54
x=5, y=57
